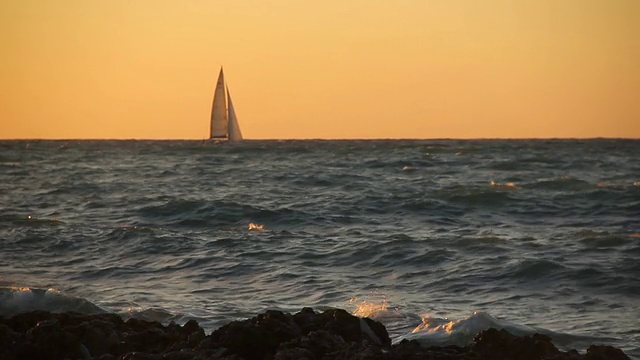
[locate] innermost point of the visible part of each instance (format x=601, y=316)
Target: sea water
x=437, y=239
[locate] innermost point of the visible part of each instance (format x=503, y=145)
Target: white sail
x=234, y=128
x=224, y=123
x=219, y=120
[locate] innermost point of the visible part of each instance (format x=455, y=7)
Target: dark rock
x=405, y=348
x=48, y=340
x=342, y=323
x=257, y=337
x=355, y=350
x=23, y=322
x=151, y=339
x=105, y=357
x=602, y=352
x=306, y=332
x=139, y=355
x=100, y=337
x=412, y=349
x=295, y=353
x=192, y=326
x=316, y=344
x=500, y=344
x=180, y=355
x=7, y=337
x=332, y=334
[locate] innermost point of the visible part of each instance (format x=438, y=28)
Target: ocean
x=436, y=239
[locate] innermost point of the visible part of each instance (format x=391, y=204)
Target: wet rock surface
x=332, y=334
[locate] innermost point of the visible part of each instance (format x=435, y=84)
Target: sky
x=146, y=69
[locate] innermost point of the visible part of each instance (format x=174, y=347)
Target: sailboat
x=224, y=123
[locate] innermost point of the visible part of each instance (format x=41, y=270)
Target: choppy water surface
x=436, y=239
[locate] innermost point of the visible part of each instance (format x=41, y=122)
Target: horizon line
x=326, y=139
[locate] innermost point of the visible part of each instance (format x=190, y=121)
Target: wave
x=562, y=183
x=481, y=197
x=428, y=330
x=16, y=300
x=227, y=214
x=597, y=240
x=534, y=269
x=15, y=220
x=435, y=331
x=166, y=225
x=441, y=331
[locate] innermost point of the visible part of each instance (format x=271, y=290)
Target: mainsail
x=224, y=123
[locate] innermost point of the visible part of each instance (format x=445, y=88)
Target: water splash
x=507, y=185
x=439, y=331
x=255, y=227
x=19, y=299
x=369, y=309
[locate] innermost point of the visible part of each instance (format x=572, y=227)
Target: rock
x=500, y=344
x=100, y=337
x=48, y=340
x=257, y=337
x=315, y=345
x=412, y=349
x=180, y=355
x=296, y=353
x=306, y=332
x=332, y=334
x=25, y=321
x=151, y=339
x=192, y=326
x=139, y=355
x=7, y=337
x=342, y=323
x=602, y=352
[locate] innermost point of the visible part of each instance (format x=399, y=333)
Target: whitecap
x=15, y=300
x=438, y=331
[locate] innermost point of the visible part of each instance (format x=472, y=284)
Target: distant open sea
x=437, y=239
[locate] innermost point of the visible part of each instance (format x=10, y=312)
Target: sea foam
x=439, y=331
x=15, y=300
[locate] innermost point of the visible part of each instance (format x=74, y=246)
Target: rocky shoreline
x=332, y=334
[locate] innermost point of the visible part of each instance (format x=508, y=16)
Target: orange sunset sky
x=146, y=69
